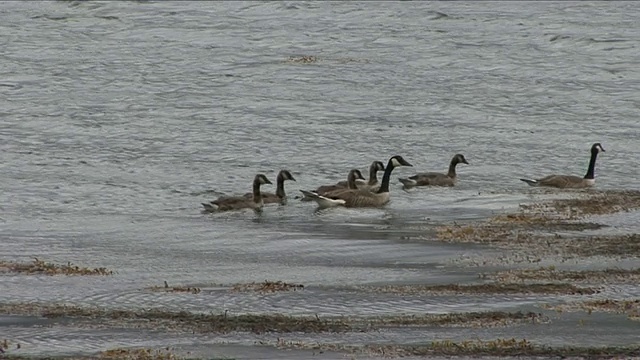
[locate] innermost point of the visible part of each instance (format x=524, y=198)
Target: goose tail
x=531, y=182
x=407, y=182
x=209, y=207
x=322, y=201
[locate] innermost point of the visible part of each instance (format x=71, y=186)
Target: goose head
x=459, y=158
x=261, y=179
x=355, y=174
x=596, y=148
x=397, y=161
x=377, y=166
x=286, y=175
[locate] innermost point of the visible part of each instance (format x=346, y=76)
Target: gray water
x=117, y=119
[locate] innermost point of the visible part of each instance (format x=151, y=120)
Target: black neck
x=452, y=168
x=257, y=197
x=591, y=171
x=373, y=175
x=280, y=187
x=384, y=186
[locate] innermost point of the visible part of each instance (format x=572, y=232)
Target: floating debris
x=267, y=287
x=180, y=289
x=306, y=59
x=617, y=276
x=39, y=267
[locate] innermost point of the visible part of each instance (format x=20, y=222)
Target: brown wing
x=563, y=181
x=432, y=179
x=234, y=202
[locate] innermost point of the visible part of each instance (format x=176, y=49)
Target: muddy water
x=118, y=118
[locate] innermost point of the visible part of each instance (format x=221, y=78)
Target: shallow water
x=117, y=119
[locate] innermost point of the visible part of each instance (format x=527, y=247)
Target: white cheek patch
x=395, y=162
x=599, y=148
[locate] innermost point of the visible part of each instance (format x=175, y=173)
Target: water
x=118, y=118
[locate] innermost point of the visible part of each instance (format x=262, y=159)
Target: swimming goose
x=571, y=181
x=352, y=180
x=361, y=197
x=372, y=184
x=226, y=203
x=434, y=178
x=280, y=196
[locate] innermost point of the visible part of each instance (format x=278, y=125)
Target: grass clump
x=40, y=267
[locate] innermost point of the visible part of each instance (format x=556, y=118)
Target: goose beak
x=268, y=181
x=292, y=178
x=405, y=163
x=465, y=161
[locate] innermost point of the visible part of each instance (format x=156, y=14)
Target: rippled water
x=118, y=118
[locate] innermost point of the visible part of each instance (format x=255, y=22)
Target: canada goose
x=434, y=178
x=280, y=196
x=352, y=181
x=372, y=184
x=226, y=203
x=360, y=197
x=571, y=181
x=354, y=175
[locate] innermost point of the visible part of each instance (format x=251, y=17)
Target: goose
x=360, y=197
x=226, y=203
x=434, y=178
x=279, y=197
x=372, y=184
x=571, y=181
x=352, y=184
x=352, y=178
x=352, y=181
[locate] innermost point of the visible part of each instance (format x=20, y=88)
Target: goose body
x=226, y=203
x=280, y=197
x=360, y=197
x=571, y=181
x=435, y=178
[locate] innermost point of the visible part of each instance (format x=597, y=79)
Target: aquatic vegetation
x=595, y=203
x=224, y=323
x=488, y=288
x=139, y=354
x=475, y=347
x=180, y=289
x=267, y=287
x=617, y=276
x=311, y=59
x=472, y=319
x=39, y=267
x=629, y=307
x=182, y=320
